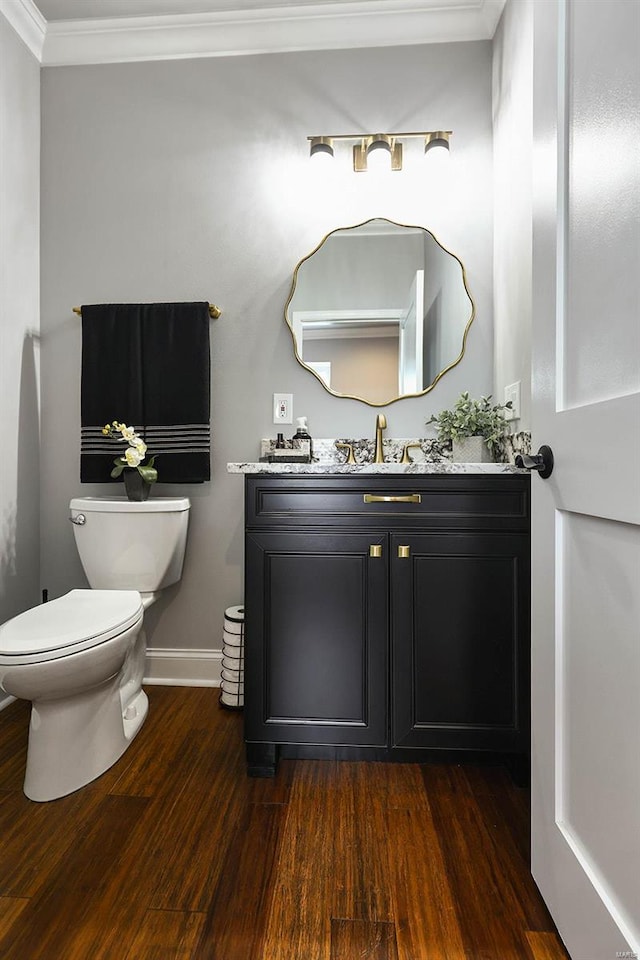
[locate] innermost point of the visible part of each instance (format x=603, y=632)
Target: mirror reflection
x=379, y=311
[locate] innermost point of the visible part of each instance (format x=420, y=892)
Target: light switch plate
x=283, y=408
x=512, y=393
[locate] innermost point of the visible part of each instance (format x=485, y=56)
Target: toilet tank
x=131, y=545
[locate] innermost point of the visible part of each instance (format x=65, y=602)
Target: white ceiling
x=61, y=32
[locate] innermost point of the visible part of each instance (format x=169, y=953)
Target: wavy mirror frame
x=404, y=396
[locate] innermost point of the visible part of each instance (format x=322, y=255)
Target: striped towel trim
x=170, y=438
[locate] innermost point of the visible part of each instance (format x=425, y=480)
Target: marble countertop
x=427, y=457
x=388, y=469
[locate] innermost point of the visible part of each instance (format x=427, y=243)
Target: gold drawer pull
x=404, y=552
x=375, y=550
x=407, y=498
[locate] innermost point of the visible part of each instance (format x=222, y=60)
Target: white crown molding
x=491, y=13
x=28, y=23
x=342, y=24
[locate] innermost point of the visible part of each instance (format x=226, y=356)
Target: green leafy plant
x=134, y=456
x=473, y=418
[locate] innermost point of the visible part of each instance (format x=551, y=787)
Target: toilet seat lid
x=78, y=620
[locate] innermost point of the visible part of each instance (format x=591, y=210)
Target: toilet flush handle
x=79, y=520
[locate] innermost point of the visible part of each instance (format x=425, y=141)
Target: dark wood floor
x=174, y=854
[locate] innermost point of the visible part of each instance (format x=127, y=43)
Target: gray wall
x=190, y=179
x=513, y=151
x=19, y=323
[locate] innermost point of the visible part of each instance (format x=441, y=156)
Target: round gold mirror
x=379, y=311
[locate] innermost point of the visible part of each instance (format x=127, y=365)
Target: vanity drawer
x=433, y=500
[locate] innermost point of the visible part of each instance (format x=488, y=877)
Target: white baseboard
x=183, y=668
x=5, y=700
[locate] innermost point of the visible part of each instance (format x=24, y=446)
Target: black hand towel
x=147, y=365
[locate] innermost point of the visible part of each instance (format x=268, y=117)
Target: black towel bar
x=214, y=311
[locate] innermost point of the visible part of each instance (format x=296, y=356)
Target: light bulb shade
x=380, y=151
x=379, y=144
x=438, y=139
x=321, y=147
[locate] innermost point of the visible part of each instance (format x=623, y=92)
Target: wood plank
x=352, y=939
x=427, y=923
x=487, y=795
x=512, y=814
x=362, y=792
x=14, y=734
x=235, y=923
x=299, y=922
x=510, y=852
x=182, y=839
x=10, y=910
x=64, y=920
x=400, y=786
x=487, y=888
x=546, y=946
x=166, y=935
x=493, y=789
x=194, y=825
x=147, y=768
x=37, y=836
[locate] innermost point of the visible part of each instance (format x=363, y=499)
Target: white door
x=410, y=359
x=586, y=516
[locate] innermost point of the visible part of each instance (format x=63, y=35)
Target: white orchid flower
x=132, y=456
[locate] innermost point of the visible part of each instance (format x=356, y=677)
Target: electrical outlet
x=512, y=393
x=283, y=408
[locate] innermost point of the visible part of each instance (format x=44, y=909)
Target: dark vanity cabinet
x=386, y=616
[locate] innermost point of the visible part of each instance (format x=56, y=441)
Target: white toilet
x=80, y=658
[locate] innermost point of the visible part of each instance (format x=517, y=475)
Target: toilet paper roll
x=231, y=699
x=232, y=639
x=235, y=614
x=234, y=655
x=232, y=663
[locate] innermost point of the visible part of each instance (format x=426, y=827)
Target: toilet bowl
x=80, y=658
x=66, y=656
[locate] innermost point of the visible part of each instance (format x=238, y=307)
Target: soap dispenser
x=302, y=433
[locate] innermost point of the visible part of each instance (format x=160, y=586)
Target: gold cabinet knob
x=404, y=551
x=375, y=550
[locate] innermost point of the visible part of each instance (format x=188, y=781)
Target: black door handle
x=542, y=461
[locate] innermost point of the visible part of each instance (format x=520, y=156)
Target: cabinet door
x=316, y=638
x=460, y=644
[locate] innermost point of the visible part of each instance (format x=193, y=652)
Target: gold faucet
x=381, y=423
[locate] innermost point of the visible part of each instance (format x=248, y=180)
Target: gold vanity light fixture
x=377, y=148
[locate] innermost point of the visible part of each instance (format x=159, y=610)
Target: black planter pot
x=136, y=487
